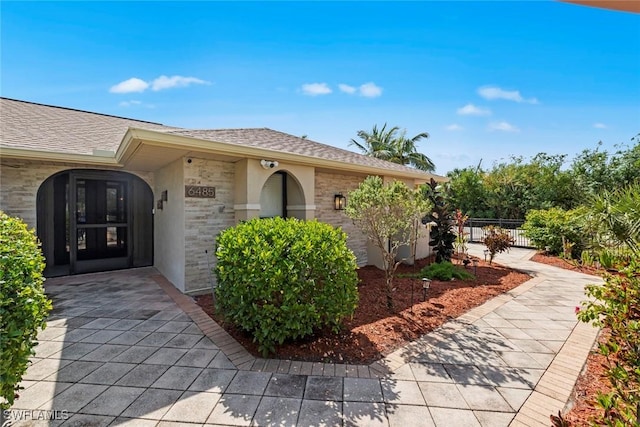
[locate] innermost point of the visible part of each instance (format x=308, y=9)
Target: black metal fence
x=475, y=233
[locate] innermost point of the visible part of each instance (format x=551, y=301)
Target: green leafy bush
x=445, y=270
x=614, y=218
x=23, y=304
x=548, y=228
x=441, y=238
x=282, y=279
x=497, y=240
x=615, y=306
x=607, y=259
x=587, y=258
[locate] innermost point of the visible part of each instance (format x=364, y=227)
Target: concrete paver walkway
x=126, y=348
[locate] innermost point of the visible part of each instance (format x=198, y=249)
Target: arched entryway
x=94, y=220
x=282, y=196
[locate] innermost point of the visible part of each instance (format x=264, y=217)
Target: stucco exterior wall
x=327, y=185
x=20, y=181
x=205, y=218
x=169, y=224
x=187, y=226
x=250, y=177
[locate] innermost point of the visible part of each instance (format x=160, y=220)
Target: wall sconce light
x=426, y=284
x=340, y=202
x=164, y=196
x=159, y=204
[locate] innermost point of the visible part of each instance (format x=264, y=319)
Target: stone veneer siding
x=327, y=185
x=203, y=219
x=20, y=181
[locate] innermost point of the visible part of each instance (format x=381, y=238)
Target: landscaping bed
x=374, y=332
x=592, y=379
x=563, y=263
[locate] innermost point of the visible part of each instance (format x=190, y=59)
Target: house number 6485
x=199, y=191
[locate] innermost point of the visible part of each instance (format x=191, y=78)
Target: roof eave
x=135, y=137
x=49, y=156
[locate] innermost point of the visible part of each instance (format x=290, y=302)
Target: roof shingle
x=32, y=126
x=279, y=141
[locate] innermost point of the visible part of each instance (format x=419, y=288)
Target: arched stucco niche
x=94, y=220
x=250, y=181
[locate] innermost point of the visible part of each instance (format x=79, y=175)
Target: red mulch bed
x=566, y=264
x=374, y=332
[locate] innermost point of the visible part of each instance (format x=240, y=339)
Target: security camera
x=269, y=164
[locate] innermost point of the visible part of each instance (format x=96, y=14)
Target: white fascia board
x=135, y=137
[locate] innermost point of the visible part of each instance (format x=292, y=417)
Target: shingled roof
x=279, y=141
x=32, y=126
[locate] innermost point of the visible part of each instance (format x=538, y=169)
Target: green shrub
x=445, y=270
x=607, y=259
x=614, y=218
x=587, y=258
x=23, y=304
x=547, y=228
x=441, y=237
x=615, y=306
x=282, y=279
x=497, y=240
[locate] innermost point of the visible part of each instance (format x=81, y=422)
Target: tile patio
x=511, y=361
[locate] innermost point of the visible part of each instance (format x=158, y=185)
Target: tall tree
x=467, y=192
x=376, y=143
x=393, y=145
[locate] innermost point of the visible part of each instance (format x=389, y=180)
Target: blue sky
x=486, y=79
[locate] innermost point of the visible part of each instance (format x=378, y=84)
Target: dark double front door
x=102, y=225
x=95, y=221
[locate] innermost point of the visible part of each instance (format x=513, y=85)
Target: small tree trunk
x=389, y=285
x=388, y=263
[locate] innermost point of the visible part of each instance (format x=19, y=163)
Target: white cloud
x=133, y=84
x=472, y=110
x=314, y=89
x=494, y=92
x=370, y=90
x=346, y=88
x=165, y=82
x=600, y=126
x=454, y=127
x=135, y=103
x=130, y=103
x=503, y=127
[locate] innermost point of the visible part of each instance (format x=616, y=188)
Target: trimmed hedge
x=23, y=304
x=283, y=279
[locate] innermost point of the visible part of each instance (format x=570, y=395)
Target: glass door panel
x=102, y=225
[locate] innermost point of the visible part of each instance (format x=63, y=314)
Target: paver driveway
x=124, y=348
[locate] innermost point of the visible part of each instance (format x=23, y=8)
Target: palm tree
x=387, y=144
x=405, y=152
x=376, y=143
